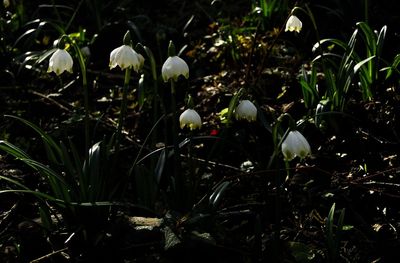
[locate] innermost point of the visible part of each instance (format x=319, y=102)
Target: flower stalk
x=122, y=113
x=178, y=176
x=127, y=59
x=82, y=66
x=296, y=146
x=65, y=63
x=172, y=68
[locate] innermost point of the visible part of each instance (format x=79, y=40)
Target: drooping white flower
x=173, y=67
x=190, y=118
x=126, y=57
x=294, y=145
x=293, y=24
x=60, y=61
x=141, y=60
x=246, y=110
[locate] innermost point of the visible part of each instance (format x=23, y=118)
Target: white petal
x=173, y=67
x=295, y=144
x=246, y=110
x=190, y=118
x=302, y=146
x=293, y=24
x=60, y=61
x=113, y=62
x=287, y=152
x=125, y=57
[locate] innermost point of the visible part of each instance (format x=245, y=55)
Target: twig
x=50, y=100
x=48, y=255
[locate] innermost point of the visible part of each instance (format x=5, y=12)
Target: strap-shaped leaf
x=216, y=197
x=23, y=189
x=233, y=103
x=56, y=182
x=52, y=148
x=160, y=166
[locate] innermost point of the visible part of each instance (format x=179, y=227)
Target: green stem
x=87, y=117
x=174, y=117
x=287, y=168
x=82, y=65
x=179, y=184
x=156, y=111
x=144, y=143
x=278, y=210
x=122, y=113
x=192, y=176
x=278, y=184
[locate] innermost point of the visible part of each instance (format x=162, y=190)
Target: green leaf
x=45, y=217
x=361, y=63
x=57, y=183
x=13, y=150
x=223, y=115
x=23, y=189
x=153, y=64
x=393, y=67
x=347, y=227
x=329, y=227
x=160, y=166
x=369, y=37
x=216, y=197
x=309, y=87
x=233, y=103
x=93, y=173
x=380, y=41
x=52, y=148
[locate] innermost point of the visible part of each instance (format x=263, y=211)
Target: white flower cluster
x=126, y=57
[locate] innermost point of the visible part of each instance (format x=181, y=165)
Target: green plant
x=81, y=191
x=393, y=67
x=334, y=234
x=172, y=69
x=273, y=8
x=341, y=69
x=309, y=87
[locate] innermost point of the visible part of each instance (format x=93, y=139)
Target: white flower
x=125, y=57
x=191, y=119
x=60, y=61
x=295, y=145
x=174, y=67
x=141, y=60
x=293, y=24
x=6, y=3
x=246, y=110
